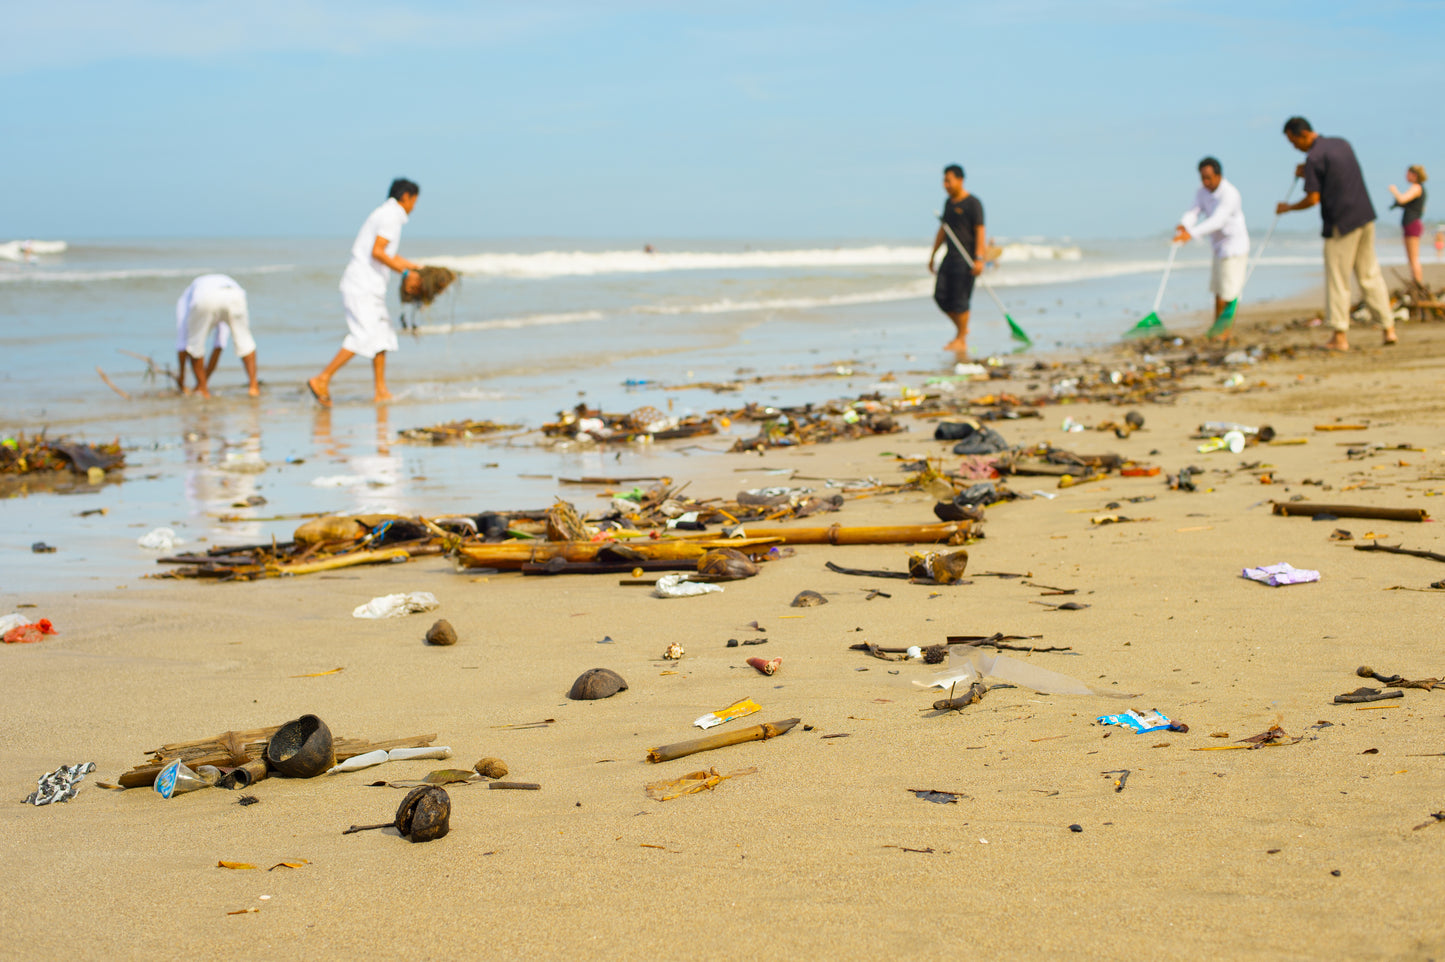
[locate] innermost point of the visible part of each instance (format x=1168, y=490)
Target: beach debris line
x=691, y=784
x=721, y=740
x=60, y=785
x=591, y=426
x=424, y=815
x=454, y=431
x=36, y=454
x=1283, y=573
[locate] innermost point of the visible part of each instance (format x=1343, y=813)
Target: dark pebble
x=1076, y=828
x=1335, y=873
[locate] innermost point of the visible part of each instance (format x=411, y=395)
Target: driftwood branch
x=1392, y=549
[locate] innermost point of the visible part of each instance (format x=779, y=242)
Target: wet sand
x=812, y=852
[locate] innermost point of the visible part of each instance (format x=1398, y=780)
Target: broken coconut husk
x=302, y=748
x=726, y=564
x=595, y=683
x=807, y=599
x=935, y=566
x=432, y=281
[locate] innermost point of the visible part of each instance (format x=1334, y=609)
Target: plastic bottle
x=177, y=779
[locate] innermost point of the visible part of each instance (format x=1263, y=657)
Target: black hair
x=1296, y=126
x=955, y=170
x=401, y=187
x=1212, y=162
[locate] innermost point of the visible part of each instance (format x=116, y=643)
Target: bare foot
x=254, y=391
x=1391, y=337
x=382, y=397
x=956, y=346
x=1337, y=342
x=318, y=391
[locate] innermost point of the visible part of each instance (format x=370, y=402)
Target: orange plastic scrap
x=691, y=783
x=29, y=634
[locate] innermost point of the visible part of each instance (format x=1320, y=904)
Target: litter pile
x=818, y=424
x=37, y=454
x=591, y=426
x=454, y=431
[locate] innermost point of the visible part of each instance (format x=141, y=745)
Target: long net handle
x=969, y=260
x=1259, y=254
x=1169, y=266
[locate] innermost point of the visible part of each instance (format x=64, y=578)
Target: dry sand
x=1215, y=854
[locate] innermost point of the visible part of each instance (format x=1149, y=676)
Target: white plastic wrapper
x=160, y=539
x=968, y=664
x=397, y=605
x=677, y=586
x=357, y=762
x=10, y=622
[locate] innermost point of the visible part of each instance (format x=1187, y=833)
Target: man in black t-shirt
x=963, y=214
x=1333, y=181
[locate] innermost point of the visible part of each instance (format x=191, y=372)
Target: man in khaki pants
x=1333, y=180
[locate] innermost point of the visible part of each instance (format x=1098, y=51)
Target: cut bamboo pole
x=1311, y=508
x=348, y=560
x=756, y=733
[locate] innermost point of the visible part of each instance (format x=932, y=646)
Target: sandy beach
x=1294, y=851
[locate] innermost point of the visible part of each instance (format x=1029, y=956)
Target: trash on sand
x=235, y=865
x=971, y=664
x=302, y=748
x=721, y=740
x=1281, y=574
x=16, y=620
x=177, y=778
x=159, y=539
x=1435, y=819
x=424, y=815
x=807, y=599
x=595, y=683
x=1395, y=681
x=59, y=785
x=321, y=674
x=737, y=709
x=1274, y=735
x=677, y=586
x=29, y=634
x=40, y=547
x=1367, y=694
x=1149, y=720
x=1232, y=441
x=766, y=666
x=293, y=863
x=1309, y=509
x=490, y=767
x=441, y=633
x=955, y=702
x=938, y=567
x=397, y=605
x=726, y=564
x=936, y=796
x=1119, y=782
x=369, y=759
x=673, y=652
x=692, y=783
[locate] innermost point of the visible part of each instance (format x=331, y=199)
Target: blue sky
x=655, y=120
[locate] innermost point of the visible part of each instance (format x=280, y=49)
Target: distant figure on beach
x=952, y=291
x=649, y=249
x=1411, y=202
x=211, y=306
x=1218, y=212
x=363, y=291
x=1333, y=180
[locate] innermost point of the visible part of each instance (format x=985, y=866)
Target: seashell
x=674, y=652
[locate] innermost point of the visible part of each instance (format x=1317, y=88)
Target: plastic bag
x=1149, y=720
x=1281, y=574
x=677, y=586
x=968, y=664
x=397, y=605
x=159, y=539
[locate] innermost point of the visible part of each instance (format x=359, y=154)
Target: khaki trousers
x=1354, y=253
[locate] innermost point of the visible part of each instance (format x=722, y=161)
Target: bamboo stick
x=756, y=733
x=342, y=561
x=1311, y=508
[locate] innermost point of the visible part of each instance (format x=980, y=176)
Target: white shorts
x=1226, y=280
x=368, y=326
x=225, y=305
x=220, y=336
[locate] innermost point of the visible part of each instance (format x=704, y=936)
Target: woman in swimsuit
x=1411, y=200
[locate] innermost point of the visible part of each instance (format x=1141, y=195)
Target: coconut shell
x=726, y=564
x=596, y=683
x=808, y=599
x=935, y=566
x=424, y=814
x=490, y=767
x=329, y=529
x=441, y=633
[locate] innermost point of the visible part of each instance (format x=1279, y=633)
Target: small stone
x=1076, y=828
x=441, y=633
x=808, y=599
x=1335, y=873
x=490, y=767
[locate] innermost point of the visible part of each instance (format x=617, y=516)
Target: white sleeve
x=1189, y=218
x=389, y=224
x=1229, y=205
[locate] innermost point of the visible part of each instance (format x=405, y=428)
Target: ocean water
x=535, y=326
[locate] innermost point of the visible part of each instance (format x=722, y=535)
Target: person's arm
x=398, y=264
x=1309, y=200
x=980, y=244
x=1403, y=198
x=1187, y=220
x=1229, y=205
x=1309, y=171
x=937, y=243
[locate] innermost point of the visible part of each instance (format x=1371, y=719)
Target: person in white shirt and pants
x=1218, y=212
x=363, y=290
x=211, y=305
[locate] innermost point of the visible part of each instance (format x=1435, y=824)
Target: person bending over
x=212, y=305
x=1218, y=213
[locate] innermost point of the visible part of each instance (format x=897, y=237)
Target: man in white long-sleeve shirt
x=1218, y=213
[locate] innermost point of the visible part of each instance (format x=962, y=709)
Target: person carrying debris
x=953, y=289
x=211, y=306
x=363, y=291
x=1333, y=180
x=1218, y=213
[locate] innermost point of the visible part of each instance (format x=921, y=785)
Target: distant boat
x=25, y=250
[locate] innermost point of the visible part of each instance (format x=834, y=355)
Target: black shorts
x=953, y=290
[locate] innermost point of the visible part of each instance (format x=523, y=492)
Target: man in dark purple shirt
x=1333, y=181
